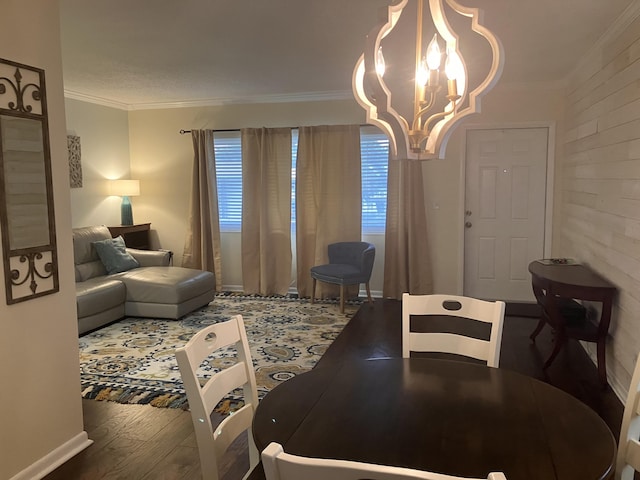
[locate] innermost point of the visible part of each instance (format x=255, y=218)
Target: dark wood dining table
x=446, y=416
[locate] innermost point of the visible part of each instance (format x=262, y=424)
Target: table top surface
x=445, y=416
x=575, y=275
x=131, y=228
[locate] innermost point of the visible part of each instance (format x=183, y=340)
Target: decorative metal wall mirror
x=26, y=205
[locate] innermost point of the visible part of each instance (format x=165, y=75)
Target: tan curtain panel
x=328, y=197
x=266, y=210
x=202, y=243
x=407, y=265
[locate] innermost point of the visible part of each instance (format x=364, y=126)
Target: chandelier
x=439, y=102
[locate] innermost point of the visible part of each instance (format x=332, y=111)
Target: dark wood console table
x=135, y=236
x=551, y=283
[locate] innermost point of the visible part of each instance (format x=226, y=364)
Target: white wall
x=599, y=215
x=104, y=144
x=40, y=404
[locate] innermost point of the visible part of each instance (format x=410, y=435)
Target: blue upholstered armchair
x=350, y=263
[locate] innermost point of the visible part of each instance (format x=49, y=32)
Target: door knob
x=468, y=224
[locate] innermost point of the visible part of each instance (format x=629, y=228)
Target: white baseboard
x=54, y=459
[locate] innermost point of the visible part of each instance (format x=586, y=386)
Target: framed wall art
x=29, y=257
x=75, y=165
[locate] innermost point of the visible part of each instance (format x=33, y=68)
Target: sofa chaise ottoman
x=146, y=286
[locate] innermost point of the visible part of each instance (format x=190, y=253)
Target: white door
x=505, y=195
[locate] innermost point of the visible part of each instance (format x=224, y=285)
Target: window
x=374, y=148
x=228, y=148
x=294, y=161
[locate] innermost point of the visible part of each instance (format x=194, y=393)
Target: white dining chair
x=214, y=440
x=279, y=465
x=458, y=343
x=628, y=460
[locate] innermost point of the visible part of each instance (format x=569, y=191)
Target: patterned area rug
x=133, y=360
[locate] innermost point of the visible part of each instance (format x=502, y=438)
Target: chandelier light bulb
x=380, y=65
x=422, y=74
x=453, y=68
x=434, y=56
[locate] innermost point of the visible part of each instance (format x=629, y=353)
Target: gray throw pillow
x=114, y=256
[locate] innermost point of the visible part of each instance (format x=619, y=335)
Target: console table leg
x=561, y=339
x=537, y=330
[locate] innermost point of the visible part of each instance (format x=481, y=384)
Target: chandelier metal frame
x=427, y=135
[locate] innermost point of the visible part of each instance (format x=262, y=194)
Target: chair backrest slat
x=474, y=309
x=222, y=383
x=450, y=343
x=231, y=427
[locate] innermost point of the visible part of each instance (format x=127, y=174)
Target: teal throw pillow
x=114, y=256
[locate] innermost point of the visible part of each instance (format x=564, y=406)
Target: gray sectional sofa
x=143, y=284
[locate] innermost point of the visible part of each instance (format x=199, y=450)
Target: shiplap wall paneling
x=600, y=183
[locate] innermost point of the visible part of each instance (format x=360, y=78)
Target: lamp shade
x=124, y=188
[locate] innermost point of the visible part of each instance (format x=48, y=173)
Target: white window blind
x=294, y=161
x=228, y=153
x=374, y=151
x=374, y=148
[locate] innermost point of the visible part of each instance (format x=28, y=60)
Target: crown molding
x=95, y=100
x=276, y=98
x=211, y=102
x=281, y=98
x=285, y=98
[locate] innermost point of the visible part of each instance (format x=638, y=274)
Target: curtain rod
x=182, y=132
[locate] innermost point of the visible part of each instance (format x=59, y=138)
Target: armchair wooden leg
x=341, y=298
x=313, y=290
x=368, y=292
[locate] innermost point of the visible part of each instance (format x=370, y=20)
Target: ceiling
x=146, y=53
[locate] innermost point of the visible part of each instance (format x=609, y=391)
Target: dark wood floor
x=142, y=442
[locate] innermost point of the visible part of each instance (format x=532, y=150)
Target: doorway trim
x=549, y=197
